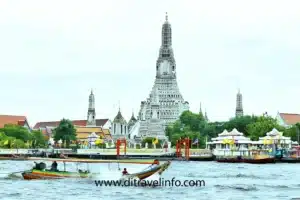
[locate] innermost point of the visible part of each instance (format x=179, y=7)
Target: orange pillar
x=125, y=146
x=179, y=148
x=188, y=148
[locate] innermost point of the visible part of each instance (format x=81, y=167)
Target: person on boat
x=155, y=162
x=37, y=166
x=40, y=166
x=54, y=166
x=125, y=171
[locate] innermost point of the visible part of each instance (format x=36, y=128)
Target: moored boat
x=260, y=159
x=149, y=171
x=290, y=160
x=293, y=156
x=225, y=159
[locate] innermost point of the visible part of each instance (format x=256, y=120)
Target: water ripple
x=222, y=181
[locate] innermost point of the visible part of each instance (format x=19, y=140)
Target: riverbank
x=105, y=154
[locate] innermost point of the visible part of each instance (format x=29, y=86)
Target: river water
x=222, y=181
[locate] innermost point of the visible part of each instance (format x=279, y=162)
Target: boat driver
x=125, y=171
x=54, y=166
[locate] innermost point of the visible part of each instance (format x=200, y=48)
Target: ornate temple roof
x=119, y=118
x=132, y=121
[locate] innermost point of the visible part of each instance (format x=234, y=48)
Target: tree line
x=195, y=126
x=14, y=136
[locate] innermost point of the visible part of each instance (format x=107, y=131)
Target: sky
x=52, y=53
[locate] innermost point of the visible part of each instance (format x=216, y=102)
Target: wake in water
x=237, y=187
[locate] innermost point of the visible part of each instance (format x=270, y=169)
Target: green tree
x=17, y=132
x=263, y=125
x=292, y=132
x=240, y=123
x=194, y=121
x=17, y=144
x=65, y=132
x=38, y=139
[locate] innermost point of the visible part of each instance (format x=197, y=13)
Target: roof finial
x=166, y=16
x=119, y=106
x=91, y=90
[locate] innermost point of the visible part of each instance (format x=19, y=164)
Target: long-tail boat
x=40, y=171
x=148, y=171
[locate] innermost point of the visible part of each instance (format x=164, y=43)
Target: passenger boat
x=148, y=171
x=259, y=159
x=292, y=156
x=40, y=171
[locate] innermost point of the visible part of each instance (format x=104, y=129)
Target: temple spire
x=200, y=110
x=91, y=115
x=165, y=64
x=239, y=105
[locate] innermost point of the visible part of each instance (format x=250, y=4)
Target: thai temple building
x=119, y=127
x=84, y=128
x=165, y=102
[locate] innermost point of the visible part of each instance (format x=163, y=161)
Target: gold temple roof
x=89, y=130
x=84, y=132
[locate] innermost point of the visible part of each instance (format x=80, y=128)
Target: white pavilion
x=234, y=143
x=275, y=137
x=226, y=142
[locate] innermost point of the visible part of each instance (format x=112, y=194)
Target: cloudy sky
x=52, y=53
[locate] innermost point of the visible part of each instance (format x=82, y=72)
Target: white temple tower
x=91, y=115
x=239, y=105
x=170, y=103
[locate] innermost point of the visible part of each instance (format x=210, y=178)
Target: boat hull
x=202, y=158
x=147, y=173
x=229, y=160
x=38, y=174
x=260, y=160
x=290, y=160
x=247, y=160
